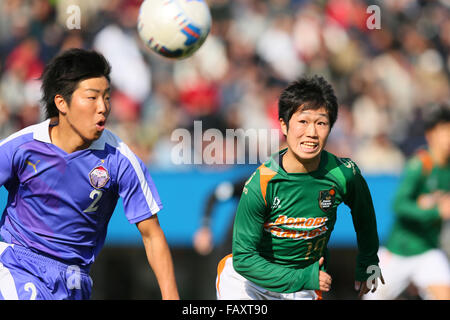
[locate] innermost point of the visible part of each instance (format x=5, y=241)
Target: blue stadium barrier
x=184, y=193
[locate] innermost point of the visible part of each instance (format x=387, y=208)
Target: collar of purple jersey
x=41, y=133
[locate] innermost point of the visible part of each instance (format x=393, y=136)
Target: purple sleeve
x=7, y=149
x=137, y=189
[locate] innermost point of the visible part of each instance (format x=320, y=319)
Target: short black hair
x=64, y=72
x=311, y=92
x=435, y=114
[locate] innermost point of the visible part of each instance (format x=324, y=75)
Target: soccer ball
x=174, y=28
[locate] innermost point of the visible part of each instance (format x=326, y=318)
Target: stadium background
x=383, y=78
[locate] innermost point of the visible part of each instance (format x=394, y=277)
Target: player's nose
x=102, y=106
x=311, y=130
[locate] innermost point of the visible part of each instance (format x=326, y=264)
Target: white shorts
x=424, y=270
x=230, y=285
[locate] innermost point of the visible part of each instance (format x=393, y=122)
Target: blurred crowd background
x=383, y=78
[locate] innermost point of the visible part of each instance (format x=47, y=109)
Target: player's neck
x=65, y=137
x=292, y=164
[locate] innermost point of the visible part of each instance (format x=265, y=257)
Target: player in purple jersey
x=64, y=177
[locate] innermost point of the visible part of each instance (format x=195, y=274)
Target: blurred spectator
x=7, y=122
x=379, y=156
x=131, y=75
x=276, y=47
x=19, y=85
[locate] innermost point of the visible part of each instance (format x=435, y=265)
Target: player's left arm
x=141, y=204
x=159, y=257
x=359, y=199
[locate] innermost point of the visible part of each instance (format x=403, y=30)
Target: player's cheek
x=297, y=133
x=324, y=133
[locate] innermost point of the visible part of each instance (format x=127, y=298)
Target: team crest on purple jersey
x=98, y=177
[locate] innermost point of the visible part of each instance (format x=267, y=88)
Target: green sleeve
x=359, y=200
x=405, y=201
x=247, y=236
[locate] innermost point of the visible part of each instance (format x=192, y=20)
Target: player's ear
x=61, y=104
x=284, y=126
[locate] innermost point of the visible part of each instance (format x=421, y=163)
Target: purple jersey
x=59, y=204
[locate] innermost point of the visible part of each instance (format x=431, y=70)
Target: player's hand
x=444, y=206
x=203, y=243
x=324, y=278
x=364, y=288
x=429, y=200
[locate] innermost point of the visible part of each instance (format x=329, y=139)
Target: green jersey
x=416, y=230
x=284, y=221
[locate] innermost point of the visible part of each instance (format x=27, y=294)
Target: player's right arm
x=247, y=237
x=7, y=150
x=10, y=151
x=406, y=203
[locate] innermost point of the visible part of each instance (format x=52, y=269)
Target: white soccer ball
x=174, y=28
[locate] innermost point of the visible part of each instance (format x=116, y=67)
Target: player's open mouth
x=101, y=125
x=309, y=146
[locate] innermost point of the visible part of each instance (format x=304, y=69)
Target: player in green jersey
x=287, y=210
x=421, y=204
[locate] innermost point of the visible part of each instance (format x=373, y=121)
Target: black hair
x=64, y=72
x=311, y=93
x=435, y=114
